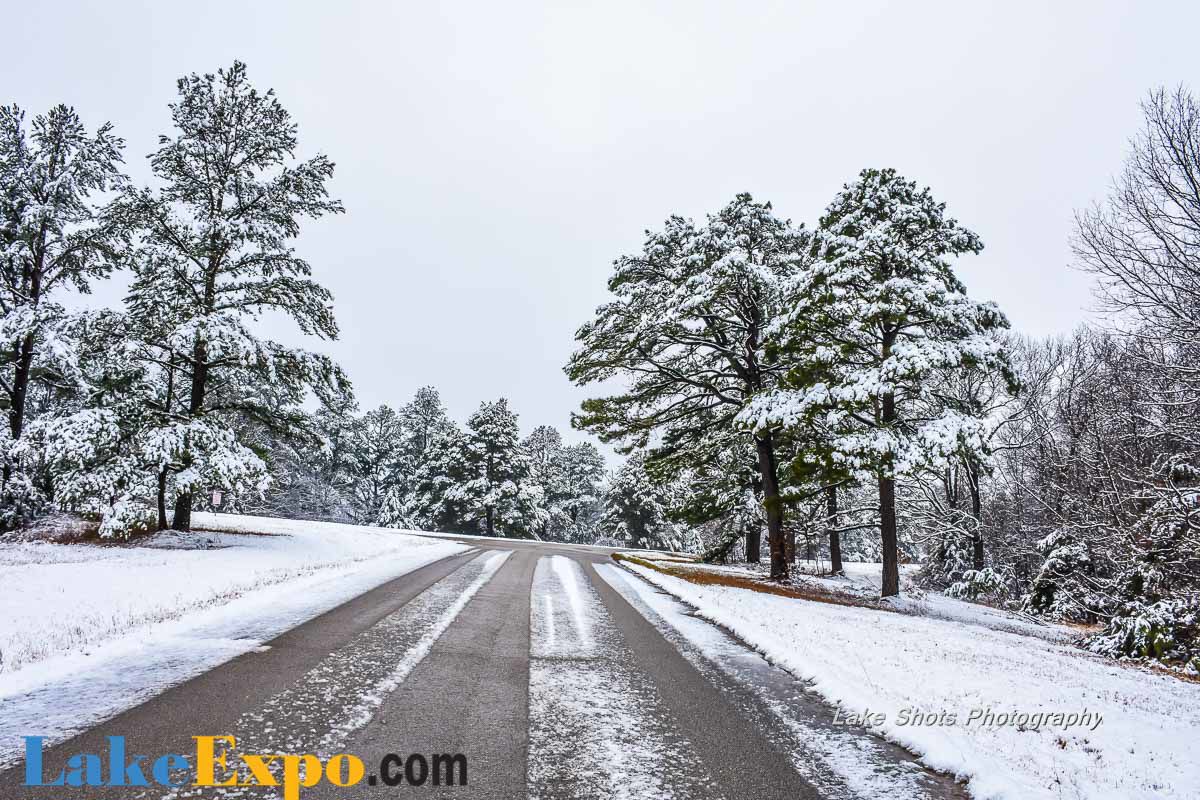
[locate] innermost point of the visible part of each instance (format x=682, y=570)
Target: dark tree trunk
x=977, y=513
x=182, y=520
x=20, y=388
x=887, y=537
x=162, y=475
x=162, y=499
x=774, y=507
x=887, y=512
x=491, y=523
x=754, y=543
x=183, y=503
x=835, y=538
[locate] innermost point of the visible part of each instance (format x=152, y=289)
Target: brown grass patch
x=703, y=577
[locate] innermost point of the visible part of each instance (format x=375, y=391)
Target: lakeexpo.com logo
x=218, y=764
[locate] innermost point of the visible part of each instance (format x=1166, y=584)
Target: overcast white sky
x=495, y=157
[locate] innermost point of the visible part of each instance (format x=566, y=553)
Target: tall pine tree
x=498, y=496
x=215, y=251
x=688, y=330
x=52, y=237
x=873, y=320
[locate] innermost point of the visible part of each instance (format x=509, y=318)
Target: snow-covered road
x=556, y=673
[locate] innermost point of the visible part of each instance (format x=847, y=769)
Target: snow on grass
x=860, y=585
x=109, y=626
x=869, y=660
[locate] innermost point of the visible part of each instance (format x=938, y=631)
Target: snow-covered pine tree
x=876, y=316
x=100, y=454
x=310, y=473
x=423, y=418
x=432, y=503
x=635, y=509
x=544, y=450
x=497, y=495
x=719, y=491
x=52, y=236
x=216, y=251
x=569, y=478
x=377, y=464
x=688, y=329
x=582, y=468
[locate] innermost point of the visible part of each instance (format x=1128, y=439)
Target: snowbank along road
x=550, y=670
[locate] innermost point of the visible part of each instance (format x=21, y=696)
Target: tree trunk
x=887, y=512
x=835, y=538
x=771, y=500
x=887, y=537
x=20, y=389
x=162, y=499
x=183, y=503
x=491, y=529
x=977, y=513
x=754, y=543
x=182, y=520
x=162, y=475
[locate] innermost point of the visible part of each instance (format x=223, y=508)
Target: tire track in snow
x=342, y=692
x=597, y=727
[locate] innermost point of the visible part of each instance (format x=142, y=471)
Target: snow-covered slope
x=113, y=624
x=865, y=659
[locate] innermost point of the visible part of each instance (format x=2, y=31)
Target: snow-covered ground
x=111, y=625
x=1137, y=742
x=862, y=580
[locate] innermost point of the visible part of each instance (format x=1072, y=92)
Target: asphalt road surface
x=552, y=671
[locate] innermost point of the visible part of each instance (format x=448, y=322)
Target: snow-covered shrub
x=1158, y=616
x=21, y=499
x=1168, y=630
x=985, y=584
x=950, y=557
x=126, y=517
x=1064, y=586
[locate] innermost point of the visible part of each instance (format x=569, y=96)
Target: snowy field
x=867, y=660
x=111, y=625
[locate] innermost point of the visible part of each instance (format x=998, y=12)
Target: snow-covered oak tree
x=215, y=250
x=687, y=330
x=52, y=236
x=871, y=321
